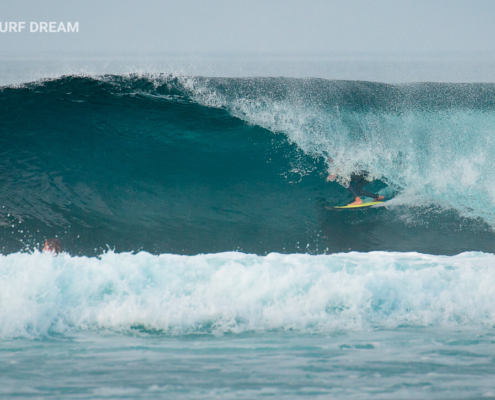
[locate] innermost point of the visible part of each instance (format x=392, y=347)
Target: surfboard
x=369, y=204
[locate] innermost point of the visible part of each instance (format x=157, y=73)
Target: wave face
x=235, y=292
x=187, y=165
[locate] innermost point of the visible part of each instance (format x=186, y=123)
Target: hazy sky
x=267, y=26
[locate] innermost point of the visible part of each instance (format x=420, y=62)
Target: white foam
x=236, y=292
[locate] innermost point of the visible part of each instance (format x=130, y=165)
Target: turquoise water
x=386, y=364
x=200, y=260
x=232, y=325
x=188, y=165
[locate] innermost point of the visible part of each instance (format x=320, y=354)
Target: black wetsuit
x=357, y=184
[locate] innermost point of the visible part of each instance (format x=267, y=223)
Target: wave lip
x=236, y=292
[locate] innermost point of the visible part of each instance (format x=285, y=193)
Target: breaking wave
x=187, y=165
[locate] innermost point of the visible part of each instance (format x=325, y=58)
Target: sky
x=391, y=41
x=255, y=26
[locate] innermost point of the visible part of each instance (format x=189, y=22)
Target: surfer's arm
x=331, y=177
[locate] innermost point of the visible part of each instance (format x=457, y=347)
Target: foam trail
x=235, y=292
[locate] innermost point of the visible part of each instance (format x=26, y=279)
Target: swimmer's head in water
x=53, y=245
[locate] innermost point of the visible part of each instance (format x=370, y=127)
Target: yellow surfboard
x=371, y=203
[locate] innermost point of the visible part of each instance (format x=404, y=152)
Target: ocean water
x=200, y=260
x=232, y=325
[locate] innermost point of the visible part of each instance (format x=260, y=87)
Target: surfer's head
x=53, y=245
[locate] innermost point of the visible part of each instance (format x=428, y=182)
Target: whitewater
x=235, y=293
x=200, y=260
x=234, y=325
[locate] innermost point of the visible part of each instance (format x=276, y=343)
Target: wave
x=187, y=165
x=41, y=295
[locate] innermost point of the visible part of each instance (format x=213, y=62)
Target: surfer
x=359, y=180
x=356, y=187
x=53, y=245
